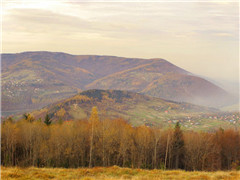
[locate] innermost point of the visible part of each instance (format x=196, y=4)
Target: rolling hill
x=137, y=108
x=31, y=80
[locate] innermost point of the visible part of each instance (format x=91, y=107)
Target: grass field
x=111, y=173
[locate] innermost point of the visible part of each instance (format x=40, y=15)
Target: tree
x=10, y=119
x=166, y=153
x=178, y=147
x=9, y=138
x=157, y=137
x=28, y=117
x=47, y=120
x=94, y=120
x=201, y=151
x=116, y=142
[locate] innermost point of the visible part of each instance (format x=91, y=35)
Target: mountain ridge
x=34, y=79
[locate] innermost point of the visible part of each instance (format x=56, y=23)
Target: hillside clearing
x=114, y=172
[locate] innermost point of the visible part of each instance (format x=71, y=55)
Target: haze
x=201, y=37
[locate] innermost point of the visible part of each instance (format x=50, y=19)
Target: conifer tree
x=28, y=117
x=178, y=147
x=47, y=120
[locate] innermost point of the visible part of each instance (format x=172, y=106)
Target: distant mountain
x=31, y=80
x=137, y=108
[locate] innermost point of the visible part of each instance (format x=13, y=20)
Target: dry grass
x=110, y=173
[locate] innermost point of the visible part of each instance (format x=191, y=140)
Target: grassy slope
x=111, y=173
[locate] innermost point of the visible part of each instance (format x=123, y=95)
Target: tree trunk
x=91, y=148
x=166, y=154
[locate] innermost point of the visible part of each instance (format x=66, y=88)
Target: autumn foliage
x=102, y=142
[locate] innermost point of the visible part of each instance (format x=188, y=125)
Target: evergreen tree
x=25, y=116
x=28, y=117
x=47, y=120
x=178, y=148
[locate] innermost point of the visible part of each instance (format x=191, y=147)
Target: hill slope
x=31, y=80
x=137, y=108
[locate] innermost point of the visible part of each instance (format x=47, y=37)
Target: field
x=114, y=172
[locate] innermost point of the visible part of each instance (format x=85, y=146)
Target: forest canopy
x=103, y=142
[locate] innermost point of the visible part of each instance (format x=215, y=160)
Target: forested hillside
x=137, y=109
x=94, y=142
x=31, y=80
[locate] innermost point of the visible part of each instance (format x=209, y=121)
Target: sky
x=199, y=36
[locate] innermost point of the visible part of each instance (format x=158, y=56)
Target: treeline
x=94, y=142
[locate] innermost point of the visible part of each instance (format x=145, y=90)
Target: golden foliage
x=81, y=98
x=114, y=142
x=61, y=112
x=94, y=115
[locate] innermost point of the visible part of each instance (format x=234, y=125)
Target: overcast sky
x=201, y=37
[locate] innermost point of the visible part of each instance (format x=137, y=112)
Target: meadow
x=114, y=172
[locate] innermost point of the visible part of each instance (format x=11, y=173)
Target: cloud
x=37, y=20
x=124, y=19
x=184, y=33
